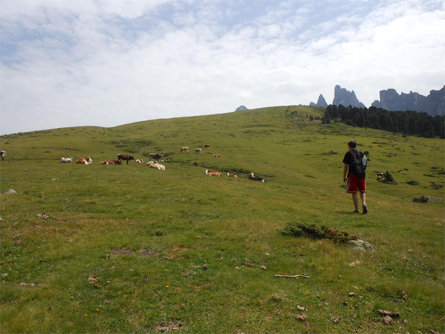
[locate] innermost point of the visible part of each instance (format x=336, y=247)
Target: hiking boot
x=356, y=211
x=365, y=209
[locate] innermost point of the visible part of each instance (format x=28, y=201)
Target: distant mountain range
x=241, y=107
x=433, y=104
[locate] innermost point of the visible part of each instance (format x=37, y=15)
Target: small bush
x=421, y=199
x=315, y=232
x=388, y=178
x=436, y=186
x=413, y=183
x=438, y=170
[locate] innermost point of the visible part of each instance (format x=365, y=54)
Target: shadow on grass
x=344, y=212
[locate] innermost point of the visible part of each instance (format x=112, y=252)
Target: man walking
x=355, y=165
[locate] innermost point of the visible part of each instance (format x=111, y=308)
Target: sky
x=70, y=63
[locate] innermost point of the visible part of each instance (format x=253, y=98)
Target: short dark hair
x=352, y=144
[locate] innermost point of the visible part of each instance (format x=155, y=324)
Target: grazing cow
x=231, y=175
x=156, y=156
x=400, y=171
x=65, y=160
x=255, y=178
x=2, y=155
x=125, y=157
x=84, y=161
x=198, y=150
x=213, y=173
x=184, y=149
x=206, y=145
x=217, y=155
x=139, y=161
x=155, y=164
x=111, y=162
x=380, y=176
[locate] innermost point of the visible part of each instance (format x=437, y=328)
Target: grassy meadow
x=128, y=248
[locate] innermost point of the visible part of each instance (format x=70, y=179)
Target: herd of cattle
x=154, y=163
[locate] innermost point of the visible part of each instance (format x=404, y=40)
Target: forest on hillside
x=407, y=122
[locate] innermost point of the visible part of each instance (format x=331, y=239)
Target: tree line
x=407, y=122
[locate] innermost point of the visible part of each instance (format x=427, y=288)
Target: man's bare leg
x=363, y=197
x=355, y=200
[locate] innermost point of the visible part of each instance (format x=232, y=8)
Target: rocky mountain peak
x=321, y=102
x=347, y=98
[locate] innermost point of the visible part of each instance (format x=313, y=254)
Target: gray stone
x=361, y=245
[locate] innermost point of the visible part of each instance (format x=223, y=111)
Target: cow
x=217, y=155
x=156, y=156
x=231, y=175
x=213, y=173
x=184, y=149
x=206, y=145
x=255, y=178
x=111, y=162
x=198, y=150
x=84, y=161
x=155, y=164
x=65, y=160
x=2, y=155
x=139, y=161
x=125, y=157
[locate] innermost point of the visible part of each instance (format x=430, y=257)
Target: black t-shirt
x=354, y=159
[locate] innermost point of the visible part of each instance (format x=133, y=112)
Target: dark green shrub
x=315, y=232
x=436, y=186
x=421, y=199
x=388, y=178
x=298, y=230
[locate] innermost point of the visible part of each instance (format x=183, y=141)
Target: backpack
x=358, y=163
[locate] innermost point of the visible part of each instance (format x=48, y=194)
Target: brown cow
x=125, y=157
x=217, y=155
x=206, y=145
x=84, y=161
x=213, y=173
x=111, y=162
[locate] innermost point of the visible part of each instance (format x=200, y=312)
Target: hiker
x=355, y=164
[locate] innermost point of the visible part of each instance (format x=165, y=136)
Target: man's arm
x=345, y=169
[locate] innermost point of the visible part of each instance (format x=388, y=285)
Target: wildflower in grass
x=166, y=286
x=86, y=315
x=97, y=310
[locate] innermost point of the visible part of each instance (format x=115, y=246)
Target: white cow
x=154, y=164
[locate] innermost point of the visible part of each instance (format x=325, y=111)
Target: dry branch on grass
x=292, y=276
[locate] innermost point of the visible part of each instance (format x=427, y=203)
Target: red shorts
x=355, y=183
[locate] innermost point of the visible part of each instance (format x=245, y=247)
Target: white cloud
x=130, y=61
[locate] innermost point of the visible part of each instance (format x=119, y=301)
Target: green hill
x=128, y=248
